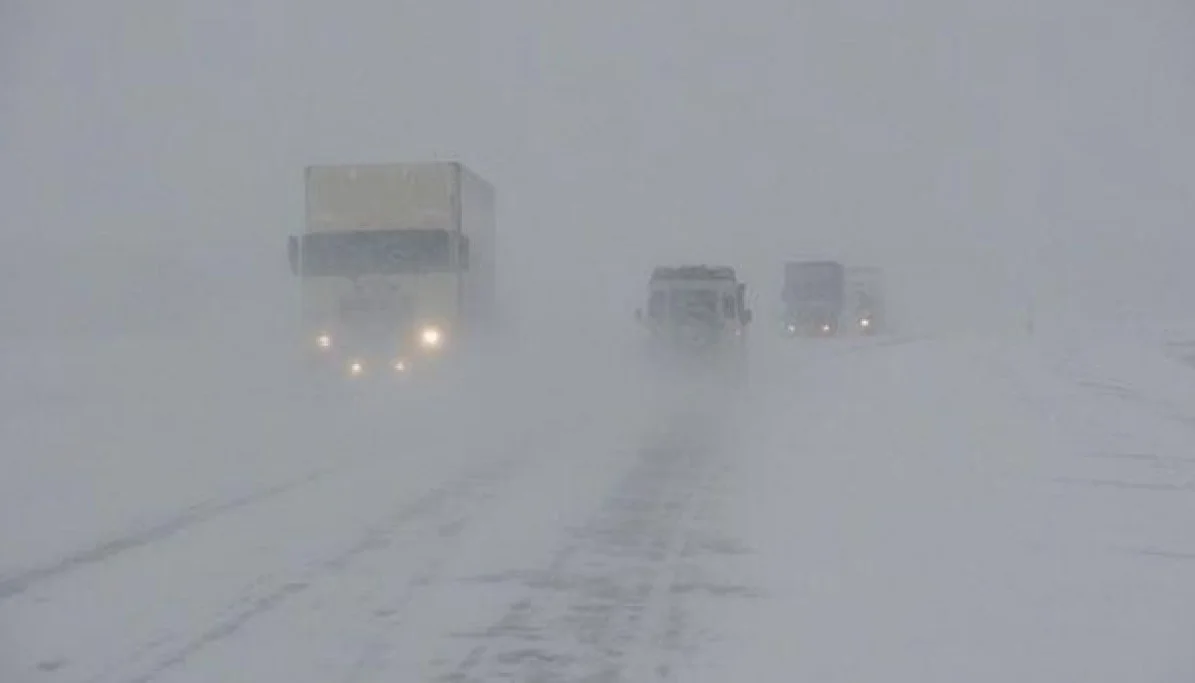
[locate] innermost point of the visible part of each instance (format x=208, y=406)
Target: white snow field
x=885, y=510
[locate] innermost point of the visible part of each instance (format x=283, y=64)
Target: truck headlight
x=865, y=323
x=324, y=341
x=431, y=337
x=356, y=368
x=400, y=365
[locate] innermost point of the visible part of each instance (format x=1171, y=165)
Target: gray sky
x=979, y=150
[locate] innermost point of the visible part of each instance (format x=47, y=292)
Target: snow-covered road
x=916, y=511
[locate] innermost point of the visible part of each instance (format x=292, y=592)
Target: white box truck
x=396, y=265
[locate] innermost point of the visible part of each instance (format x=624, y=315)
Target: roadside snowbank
x=928, y=512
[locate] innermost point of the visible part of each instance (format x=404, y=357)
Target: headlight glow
x=400, y=365
x=825, y=328
x=865, y=322
x=356, y=368
x=431, y=337
x=324, y=341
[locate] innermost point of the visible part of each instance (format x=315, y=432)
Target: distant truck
x=698, y=312
x=396, y=265
x=814, y=296
x=866, y=303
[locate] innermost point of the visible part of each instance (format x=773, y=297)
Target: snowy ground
x=918, y=510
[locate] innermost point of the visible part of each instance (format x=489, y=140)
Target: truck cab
x=395, y=267
x=867, y=306
x=378, y=301
x=814, y=297
x=697, y=312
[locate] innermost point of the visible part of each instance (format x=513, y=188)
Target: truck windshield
x=380, y=252
x=684, y=304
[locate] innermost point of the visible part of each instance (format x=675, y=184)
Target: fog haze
x=975, y=150
x=936, y=496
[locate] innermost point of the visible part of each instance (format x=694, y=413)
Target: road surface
x=870, y=511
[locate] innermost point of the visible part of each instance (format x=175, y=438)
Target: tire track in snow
x=380, y=536
x=463, y=488
x=662, y=619
x=394, y=607
x=371, y=660
x=1161, y=407
x=1187, y=487
x=1179, y=471
x=601, y=608
x=17, y=584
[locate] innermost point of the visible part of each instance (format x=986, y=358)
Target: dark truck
x=814, y=295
